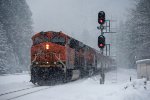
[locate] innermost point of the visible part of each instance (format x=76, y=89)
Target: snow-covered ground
x=117, y=87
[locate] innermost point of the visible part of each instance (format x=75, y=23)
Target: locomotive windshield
x=40, y=39
x=57, y=40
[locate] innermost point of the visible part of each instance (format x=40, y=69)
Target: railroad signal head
x=101, y=41
x=101, y=17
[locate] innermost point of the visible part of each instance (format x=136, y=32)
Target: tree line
x=134, y=36
x=15, y=35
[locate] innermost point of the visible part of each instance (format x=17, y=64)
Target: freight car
x=57, y=57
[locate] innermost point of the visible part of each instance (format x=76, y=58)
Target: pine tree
x=135, y=43
x=7, y=57
x=3, y=46
x=140, y=29
x=15, y=16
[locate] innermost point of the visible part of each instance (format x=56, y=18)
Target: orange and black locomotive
x=56, y=56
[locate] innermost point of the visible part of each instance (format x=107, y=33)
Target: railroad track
x=12, y=95
x=15, y=91
x=21, y=92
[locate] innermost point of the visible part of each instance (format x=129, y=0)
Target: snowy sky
x=77, y=18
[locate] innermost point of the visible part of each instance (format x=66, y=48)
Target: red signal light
x=101, y=21
x=101, y=45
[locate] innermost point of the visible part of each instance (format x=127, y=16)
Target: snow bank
x=89, y=89
x=16, y=78
x=14, y=82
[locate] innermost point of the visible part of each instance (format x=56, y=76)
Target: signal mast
x=101, y=41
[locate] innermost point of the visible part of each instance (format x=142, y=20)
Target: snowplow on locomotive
x=57, y=57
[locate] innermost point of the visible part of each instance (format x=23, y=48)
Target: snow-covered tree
x=7, y=57
x=15, y=16
x=141, y=30
x=3, y=46
x=134, y=38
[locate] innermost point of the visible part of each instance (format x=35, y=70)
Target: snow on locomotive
x=56, y=56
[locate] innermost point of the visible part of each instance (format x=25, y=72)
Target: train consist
x=56, y=56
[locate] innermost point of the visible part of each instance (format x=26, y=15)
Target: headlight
x=47, y=46
x=36, y=63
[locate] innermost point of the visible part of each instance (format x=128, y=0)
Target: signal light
x=101, y=45
x=101, y=17
x=101, y=21
x=101, y=41
x=47, y=46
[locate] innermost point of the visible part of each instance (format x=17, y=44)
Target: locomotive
x=57, y=57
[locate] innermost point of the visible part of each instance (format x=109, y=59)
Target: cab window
x=40, y=39
x=58, y=40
